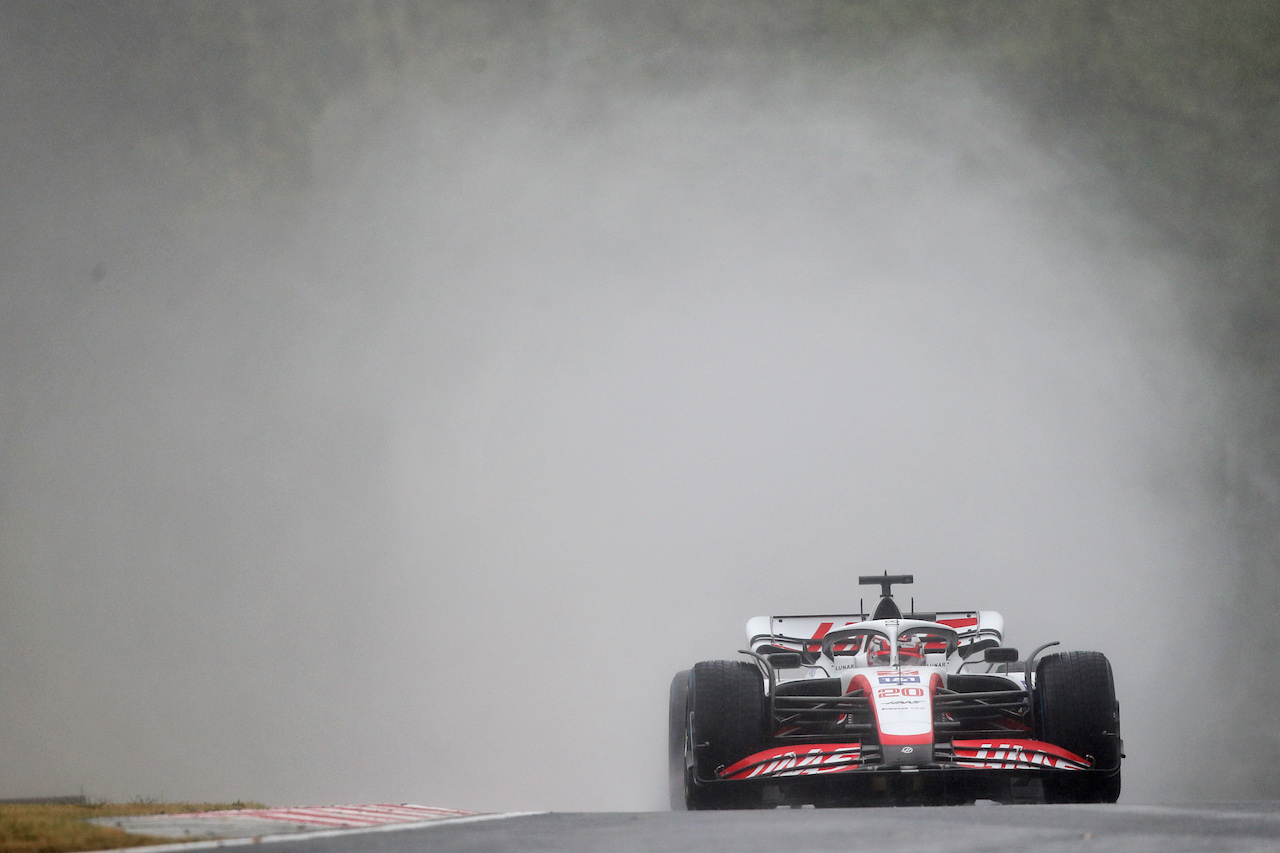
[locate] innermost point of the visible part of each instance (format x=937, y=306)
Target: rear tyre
x=728, y=705
x=679, y=718
x=1076, y=709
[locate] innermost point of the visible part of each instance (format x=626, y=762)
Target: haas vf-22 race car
x=892, y=708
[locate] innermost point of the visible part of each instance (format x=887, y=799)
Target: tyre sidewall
x=677, y=740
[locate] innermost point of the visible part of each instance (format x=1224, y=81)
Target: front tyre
x=727, y=701
x=1077, y=710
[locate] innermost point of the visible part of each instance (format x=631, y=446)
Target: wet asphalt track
x=1160, y=829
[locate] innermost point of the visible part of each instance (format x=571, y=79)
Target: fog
x=420, y=482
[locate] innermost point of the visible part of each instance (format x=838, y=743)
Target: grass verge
x=62, y=827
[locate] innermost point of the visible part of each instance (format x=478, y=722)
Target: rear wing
x=977, y=629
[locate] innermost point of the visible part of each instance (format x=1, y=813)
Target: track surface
x=1159, y=829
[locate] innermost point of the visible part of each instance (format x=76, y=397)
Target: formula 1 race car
x=894, y=709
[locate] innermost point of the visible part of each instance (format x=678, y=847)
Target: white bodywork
x=898, y=665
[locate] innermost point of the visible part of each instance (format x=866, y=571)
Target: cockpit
x=912, y=645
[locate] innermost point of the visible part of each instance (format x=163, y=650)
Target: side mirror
x=1001, y=654
x=784, y=660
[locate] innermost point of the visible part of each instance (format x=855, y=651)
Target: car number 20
x=894, y=692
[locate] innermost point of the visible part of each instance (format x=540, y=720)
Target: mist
x=419, y=482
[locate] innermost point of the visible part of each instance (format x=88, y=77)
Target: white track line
x=328, y=833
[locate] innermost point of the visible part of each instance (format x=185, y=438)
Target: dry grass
x=61, y=828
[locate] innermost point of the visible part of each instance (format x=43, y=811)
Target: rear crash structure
x=892, y=708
